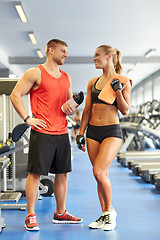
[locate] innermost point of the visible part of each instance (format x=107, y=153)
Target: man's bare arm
x=23, y=86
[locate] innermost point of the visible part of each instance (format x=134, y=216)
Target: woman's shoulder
x=92, y=81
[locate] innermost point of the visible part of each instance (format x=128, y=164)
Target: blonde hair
x=116, y=56
x=53, y=43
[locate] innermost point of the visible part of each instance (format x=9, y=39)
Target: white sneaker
x=109, y=220
x=97, y=224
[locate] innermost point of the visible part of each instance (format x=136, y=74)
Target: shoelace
x=68, y=216
x=107, y=219
x=32, y=220
x=68, y=213
x=100, y=219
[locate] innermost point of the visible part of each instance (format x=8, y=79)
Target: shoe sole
x=94, y=227
x=32, y=229
x=66, y=222
x=109, y=228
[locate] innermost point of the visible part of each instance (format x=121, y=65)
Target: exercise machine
x=3, y=163
x=10, y=195
x=140, y=150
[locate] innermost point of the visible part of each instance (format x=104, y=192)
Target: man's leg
x=60, y=191
x=31, y=196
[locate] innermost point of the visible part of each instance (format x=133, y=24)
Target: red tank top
x=46, y=102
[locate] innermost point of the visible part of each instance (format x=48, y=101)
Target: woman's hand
x=80, y=142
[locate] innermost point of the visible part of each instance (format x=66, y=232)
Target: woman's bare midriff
x=103, y=114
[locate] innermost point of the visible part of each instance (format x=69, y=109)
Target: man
x=49, y=149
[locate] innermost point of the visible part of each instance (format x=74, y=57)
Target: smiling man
x=49, y=149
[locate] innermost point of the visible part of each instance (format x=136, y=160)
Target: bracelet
x=25, y=120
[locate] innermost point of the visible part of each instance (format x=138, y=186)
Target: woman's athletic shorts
x=99, y=133
x=49, y=153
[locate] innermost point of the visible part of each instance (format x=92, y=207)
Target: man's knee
x=33, y=176
x=63, y=177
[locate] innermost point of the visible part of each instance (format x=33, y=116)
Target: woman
x=104, y=136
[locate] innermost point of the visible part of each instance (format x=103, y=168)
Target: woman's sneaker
x=97, y=224
x=109, y=220
x=31, y=223
x=66, y=217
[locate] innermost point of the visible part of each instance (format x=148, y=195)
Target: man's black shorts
x=49, y=153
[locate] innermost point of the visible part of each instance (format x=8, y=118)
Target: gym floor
x=137, y=205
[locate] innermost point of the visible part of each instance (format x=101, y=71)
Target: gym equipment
x=11, y=196
x=46, y=186
x=156, y=180
x=157, y=185
x=138, y=169
x=127, y=160
x=154, y=177
x=3, y=163
x=147, y=175
x=16, y=173
x=140, y=132
x=133, y=163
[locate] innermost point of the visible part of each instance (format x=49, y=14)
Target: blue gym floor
x=137, y=204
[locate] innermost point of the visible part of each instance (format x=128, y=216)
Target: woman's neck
x=108, y=74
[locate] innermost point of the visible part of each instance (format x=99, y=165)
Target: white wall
x=146, y=92
x=156, y=88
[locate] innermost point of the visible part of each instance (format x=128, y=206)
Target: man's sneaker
x=97, y=224
x=31, y=223
x=66, y=217
x=109, y=220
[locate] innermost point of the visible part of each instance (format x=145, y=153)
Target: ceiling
x=131, y=26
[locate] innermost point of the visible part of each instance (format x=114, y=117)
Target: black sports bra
x=94, y=95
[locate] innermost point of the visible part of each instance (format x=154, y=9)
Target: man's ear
x=51, y=50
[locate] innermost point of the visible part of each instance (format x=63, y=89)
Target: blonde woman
x=104, y=136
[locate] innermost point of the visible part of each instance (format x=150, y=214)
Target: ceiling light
x=19, y=8
x=32, y=38
x=150, y=52
x=40, y=54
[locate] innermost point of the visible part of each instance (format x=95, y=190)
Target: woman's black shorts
x=49, y=153
x=99, y=133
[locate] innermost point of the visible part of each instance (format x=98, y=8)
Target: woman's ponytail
x=117, y=61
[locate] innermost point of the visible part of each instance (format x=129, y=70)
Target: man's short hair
x=54, y=42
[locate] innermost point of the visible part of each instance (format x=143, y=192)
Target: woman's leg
x=106, y=153
x=93, y=148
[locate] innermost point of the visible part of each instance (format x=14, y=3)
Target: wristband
x=25, y=120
